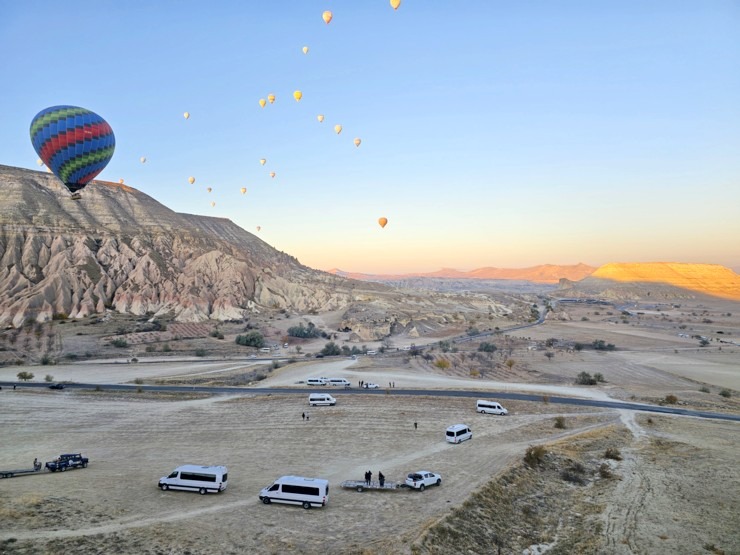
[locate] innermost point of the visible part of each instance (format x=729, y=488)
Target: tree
x=445, y=346
x=331, y=349
x=25, y=376
x=510, y=363
x=304, y=332
x=48, y=378
x=442, y=363
x=487, y=347
x=250, y=339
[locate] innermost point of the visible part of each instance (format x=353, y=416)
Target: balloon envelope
x=40, y=162
x=258, y=228
x=262, y=161
x=305, y=49
x=271, y=98
x=298, y=95
x=143, y=159
x=191, y=180
x=382, y=221
x=338, y=129
x=186, y=115
x=326, y=16
x=74, y=143
x=320, y=117
x=243, y=190
x=357, y=142
x=272, y=174
x=395, y=4
x=209, y=189
x=262, y=102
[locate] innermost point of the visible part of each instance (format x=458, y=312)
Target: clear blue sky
x=493, y=133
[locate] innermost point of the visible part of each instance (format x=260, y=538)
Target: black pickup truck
x=70, y=460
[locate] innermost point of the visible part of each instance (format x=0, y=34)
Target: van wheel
x=202, y=491
x=359, y=488
x=164, y=487
x=306, y=505
x=482, y=412
x=266, y=500
x=439, y=482
x=422, y=487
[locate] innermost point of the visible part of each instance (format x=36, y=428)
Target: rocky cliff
x=119, y=248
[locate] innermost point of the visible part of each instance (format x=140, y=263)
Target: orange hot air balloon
x=305, y=49
x=382, y=221
x=272, y=174
x=262, y=102
x=338, y=129
x=243, y=190
x=271, y=98
x=262, y=161
x=191, y=180
x=357, y=142
x=297, y=95
x=395, y=4
x=186, y=115
x=326, y=16
x=209, y=189
x=320, y=117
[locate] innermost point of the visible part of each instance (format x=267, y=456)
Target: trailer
x=361, y=485
x=20, y=471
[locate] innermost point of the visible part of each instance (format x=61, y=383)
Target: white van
x=316, y=399
x=194, y=477
x=371, y=352
x=458, y=433
x=490, y=407
x=308, y=492
x=339, y=382
x=316, y=381
x=265, y=350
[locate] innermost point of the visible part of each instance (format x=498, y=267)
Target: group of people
x=369, y=478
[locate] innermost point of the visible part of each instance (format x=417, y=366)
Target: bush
x=599, y=377
x=584, y=378
x=150, y=348
x=605, y=471
x=560, y=422
x=217, y=334
x=534, y=455
x=48, y=378
x=705, y=389
x=612, y=453
x=487, y=347
x=305, y=332
x=200, y=352
x=251, y=339
x=119, y=342
x=139, y=381
x=166, y=348
x=24, y=376
x=331, y=349
x=726, y=393
x=442, y=363
x=670, y=400
x=574, y=474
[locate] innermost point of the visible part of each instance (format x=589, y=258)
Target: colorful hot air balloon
x=186, y=115
x=357, y=142
x=338, y=129
x=74, y=143
x=262, y=161
x=143, y=159
x=305, y=49
x=382, y=221
x=262, y=102
x=272, y=174
x=320, y=117
x=191, y=180
x=326, y=16
x=209, y=189
x=243, y=190
x=297, y=95
x=395, y=4
x=271, y=98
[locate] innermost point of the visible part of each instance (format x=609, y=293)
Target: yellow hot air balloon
x=305, y=49
x=297, y=95
x=271, y=98
x=209, y=189
x=262, y=161
x=186, y=115
x=272, y=174
x=357, y=142
x=262, y=102
x=191, y=180
x=40, y=162
x=320, y=117
x=382, y=221
x=121, y=181
x=143, y=159
x=243, y=190
x=326, y=16
x=395, y=4
x=338, y=129
x=258, y=228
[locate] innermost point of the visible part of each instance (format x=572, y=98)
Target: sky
x=494, y=133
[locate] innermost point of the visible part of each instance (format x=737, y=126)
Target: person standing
x=303, y=416
x=381, y=478
x=369, y=477
x=416, y=425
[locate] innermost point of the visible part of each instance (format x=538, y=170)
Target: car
x=422, y=479
x=69, y=460
x=56, y=386
x=370, y=385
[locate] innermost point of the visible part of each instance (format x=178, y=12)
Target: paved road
x=411, y=392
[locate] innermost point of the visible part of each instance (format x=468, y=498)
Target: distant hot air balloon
x=143, y=159
x=209, y=189
x=320, y=117
x=186, y=115
x=243, y=190
x=382, y=221
x=258, y=228
x=262, y=161
x=272, y=174
x=40, y=162
x=121, y=181
x=305, y=49
x=338, y=129
x=297, y=95
x=357, y=142
x=271, y=98
x=191, y=180
x=262, y=102
x=213, y=204
x=395, y=4
x=326, y=16
x=74, y=143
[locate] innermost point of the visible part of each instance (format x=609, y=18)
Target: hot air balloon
x=320, y=117
x=213, y=204
x=186, y=115
x=382, y=221
x=262, y=102
x=40, y=162
x=258, y=228
x=191, y=180
x=338, y=129
x=262, y=161
x=395, y=4
x=357, y=142
x=272, y=174
x=121, y=181
x=209, y=189
x=297, y=95
x=243, y=190
x=271, y=98
x=74, y=143
x=143, y=159
x=326, y=16
x=305, y=49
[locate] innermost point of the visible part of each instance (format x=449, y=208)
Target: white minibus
x=458, y=433
x=194, y=477
x=316, y=381
x=316, y=399
x=339, y=382
x=490, y=407
x=308, y=492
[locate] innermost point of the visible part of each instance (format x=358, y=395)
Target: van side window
x=302, y=490
x=224, y=478
x=274, y=487
x=173, y=475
